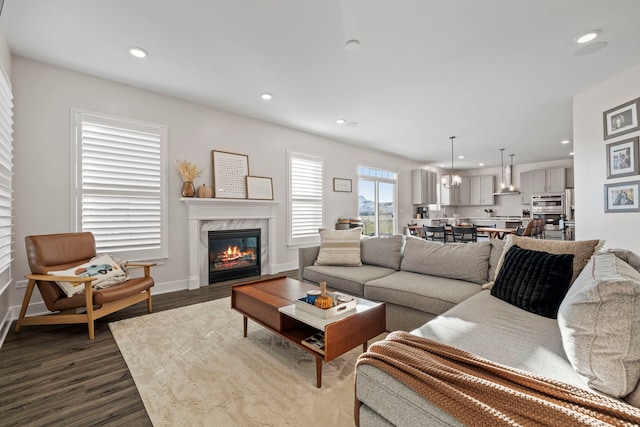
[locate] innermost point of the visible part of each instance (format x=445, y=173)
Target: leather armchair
x=54, y=252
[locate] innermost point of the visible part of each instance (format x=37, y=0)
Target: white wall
x=621, y=230
x=44, y=95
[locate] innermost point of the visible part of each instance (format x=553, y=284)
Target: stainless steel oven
x=547, y=203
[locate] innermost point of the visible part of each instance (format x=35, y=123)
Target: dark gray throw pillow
x=533, y=280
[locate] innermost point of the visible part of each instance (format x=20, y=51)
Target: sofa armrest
x=306, y=257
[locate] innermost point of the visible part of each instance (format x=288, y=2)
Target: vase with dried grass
x=188, y=172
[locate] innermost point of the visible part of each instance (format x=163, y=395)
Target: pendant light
x=506, y=183
x=454, y=180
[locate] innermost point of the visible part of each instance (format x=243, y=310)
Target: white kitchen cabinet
x=424, y=187
x=456, y=196
x=541, y=181
x=482, y=190
x=555, y=180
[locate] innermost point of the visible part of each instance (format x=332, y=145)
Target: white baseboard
x=278, y=268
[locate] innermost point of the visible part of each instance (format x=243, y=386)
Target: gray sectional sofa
x=418, y=280
x=434, y=291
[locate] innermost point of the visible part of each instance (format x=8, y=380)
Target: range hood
x=506, y=185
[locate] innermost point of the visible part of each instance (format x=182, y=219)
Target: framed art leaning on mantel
x=229, y=172
x=259, y=188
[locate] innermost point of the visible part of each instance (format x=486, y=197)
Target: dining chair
x=464, y=234
x=435, y=233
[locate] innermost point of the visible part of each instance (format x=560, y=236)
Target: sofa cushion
x=346, y=279
x=493, y=329
x=497, y=247
x=533, y=280
x=462, y=261
x=384, y=251
x=430, y=294
x=631, y=258
x=339, y=247
x=581, y=249
x=600, y=324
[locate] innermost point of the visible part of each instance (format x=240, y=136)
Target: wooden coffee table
x=270, y=303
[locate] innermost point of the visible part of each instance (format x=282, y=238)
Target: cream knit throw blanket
x=479, y=392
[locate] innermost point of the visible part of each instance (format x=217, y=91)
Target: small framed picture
x=259, y=188
x=622, y=158
x=621, y=120
x=342, y=185
x=622, y=197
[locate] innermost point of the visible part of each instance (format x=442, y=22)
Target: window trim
x=76, y=120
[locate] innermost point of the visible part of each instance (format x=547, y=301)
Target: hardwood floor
x=56, y=376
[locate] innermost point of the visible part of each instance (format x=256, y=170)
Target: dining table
x=496, y=233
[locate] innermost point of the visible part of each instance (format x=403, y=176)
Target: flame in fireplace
x=234, y=253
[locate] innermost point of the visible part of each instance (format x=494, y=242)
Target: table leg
x=244, y=325
x=364, y=346
x=318, y=372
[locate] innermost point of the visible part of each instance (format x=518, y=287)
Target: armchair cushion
x=107, y=272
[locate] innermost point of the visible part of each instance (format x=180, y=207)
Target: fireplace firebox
x=234, y=254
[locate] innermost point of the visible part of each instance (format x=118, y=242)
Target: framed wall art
x=342, y=185
x=259, y=188
x=229, y=172
x=622, y=158
x=621, y=120
x=622, y=197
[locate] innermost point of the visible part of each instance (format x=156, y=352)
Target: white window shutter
x=120, y=189
x=305, y=198
x=6, y=179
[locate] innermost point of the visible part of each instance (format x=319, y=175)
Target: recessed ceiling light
x=266, y=96
x=480, y=164
x=352, y=44
x=571, y=153
x=590, y=48
x=340, y=121
x=441, y=166
x=587, y=37
x=565, y=141
x=138, y=52
x=461, y=157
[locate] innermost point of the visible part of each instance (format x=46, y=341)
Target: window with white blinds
x=120, y=193
x=305, y=198
x=6, y=173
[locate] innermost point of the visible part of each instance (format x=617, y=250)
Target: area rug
x=192, y=367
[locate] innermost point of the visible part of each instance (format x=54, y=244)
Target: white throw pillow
x=339, y=247
x=599, y=320
x=106, y=269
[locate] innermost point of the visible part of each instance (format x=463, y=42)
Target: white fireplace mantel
x=202, y=210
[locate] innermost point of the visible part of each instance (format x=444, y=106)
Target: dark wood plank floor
x=56, y=376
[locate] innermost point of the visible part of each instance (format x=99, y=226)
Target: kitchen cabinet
x=551, y=180
x=457, y=196
x=424, y=187
x=481, y=190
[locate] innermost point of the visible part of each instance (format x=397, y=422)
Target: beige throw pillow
x=107, y=271
x=339, y=247
x=582, y=251
x=599, y=321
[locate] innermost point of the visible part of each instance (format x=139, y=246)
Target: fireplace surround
x=205, y=215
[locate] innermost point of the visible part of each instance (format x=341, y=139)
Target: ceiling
x=494, y=73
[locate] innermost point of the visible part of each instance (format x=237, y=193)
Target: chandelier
x=454, y=180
